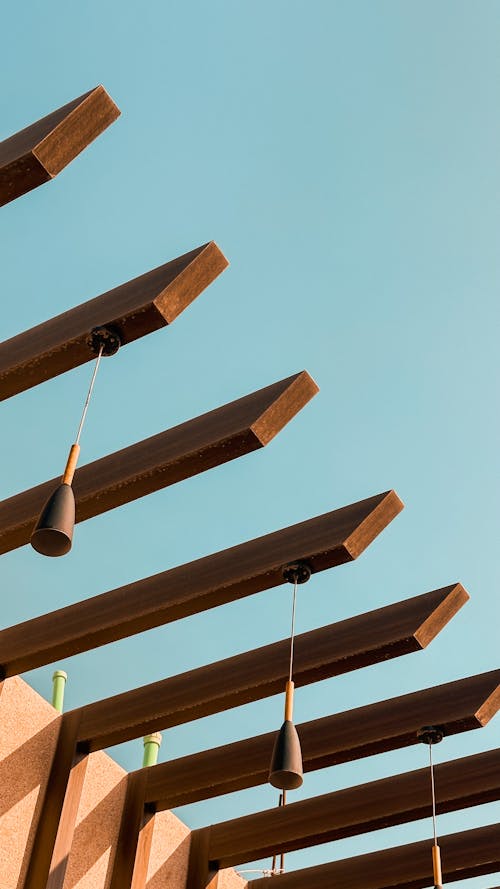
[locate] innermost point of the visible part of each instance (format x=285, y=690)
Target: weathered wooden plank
x=348, y=645
x=468, y=854
x=133, y=310
x=388, y=725
x=200, y=875
x=200, y=444
x=67, y=822
x=133, y=821
x=62, y=795
x=243, y=570
x=470, y=781
x=40, y=151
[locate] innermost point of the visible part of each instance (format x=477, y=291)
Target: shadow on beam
x=330, y=651
x=324, y=541
x=214, y=438
x=471, y=853
x=470, y=781
x=388, y=725
x=133, y=310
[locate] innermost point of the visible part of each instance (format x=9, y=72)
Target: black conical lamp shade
x=53, y=533
x=286, y=771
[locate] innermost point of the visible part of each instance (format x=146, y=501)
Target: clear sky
x=345, y=157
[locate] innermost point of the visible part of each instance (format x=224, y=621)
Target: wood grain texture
x=200, y=875
x=67, y=822
x=200, y=444
x=143, y=851
x=461, y=783
x=188, y=589
x=40, y=151
x=471, y=853
x=134, y=309
x=62, y=793
x=330, y=651
x=132, y=823
x=388, y=725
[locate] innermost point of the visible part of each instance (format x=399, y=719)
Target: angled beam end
x=378, y=511
x=298, y=390
x=450, y=600
x=39, y=152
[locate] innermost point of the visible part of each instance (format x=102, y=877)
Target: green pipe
x=58, y=685
x=151, y=749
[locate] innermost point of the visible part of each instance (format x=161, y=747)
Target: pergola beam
x=388, y=725
x=471, y=781
x=40, y=151
x=200, y=444
x=330, y=651
x=468, y=854
x=133, y=310
x=324, y=541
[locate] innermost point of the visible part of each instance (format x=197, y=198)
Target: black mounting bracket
x=107, y=337
x=297, y=572
x=430, y=734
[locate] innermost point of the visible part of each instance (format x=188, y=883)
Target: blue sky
x=344, y=155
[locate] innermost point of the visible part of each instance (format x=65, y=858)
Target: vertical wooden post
x=200, y=875
x=54, y=832
x=67, y=822
x=130, y=865
x=143, y=851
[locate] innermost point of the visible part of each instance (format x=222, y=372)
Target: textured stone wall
x=28, y=733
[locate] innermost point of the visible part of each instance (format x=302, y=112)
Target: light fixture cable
x=436, y=852
x=431, y=734
x=74, y=451
x=292, y=631
x=53, y=532
x=89, y=394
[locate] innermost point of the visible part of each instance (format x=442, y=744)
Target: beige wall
x=28, y=733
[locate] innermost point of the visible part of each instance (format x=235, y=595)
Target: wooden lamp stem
x=69, y=472
x=289, y=701
x=436, y=864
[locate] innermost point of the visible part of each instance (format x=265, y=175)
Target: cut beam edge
x=467, y=854
x=150, y=465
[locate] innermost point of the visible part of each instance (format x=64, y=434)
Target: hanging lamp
x=286, y=771
x=53, y=532
x=430, y=735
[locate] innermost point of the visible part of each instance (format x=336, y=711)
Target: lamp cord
x=292, y=632
x=89, y=395
x=433, y=789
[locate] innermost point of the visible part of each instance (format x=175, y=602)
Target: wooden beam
x=324, y=541
x=67, y=822
x=134, y=310
x=468, y=854
x=56, y=820
x=200, y=444
x=39, y=152
x=131, y=859
x=367, y=639
x=387, y=725
x=200, y=875
x=471, y=781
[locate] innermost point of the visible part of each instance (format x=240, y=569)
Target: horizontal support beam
x=388, y=725
x=134, y=309
x=468, y=854
x=348, y=645
x=324, y=541
x=471, y=781
x=39, y=152
x=200, y=444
